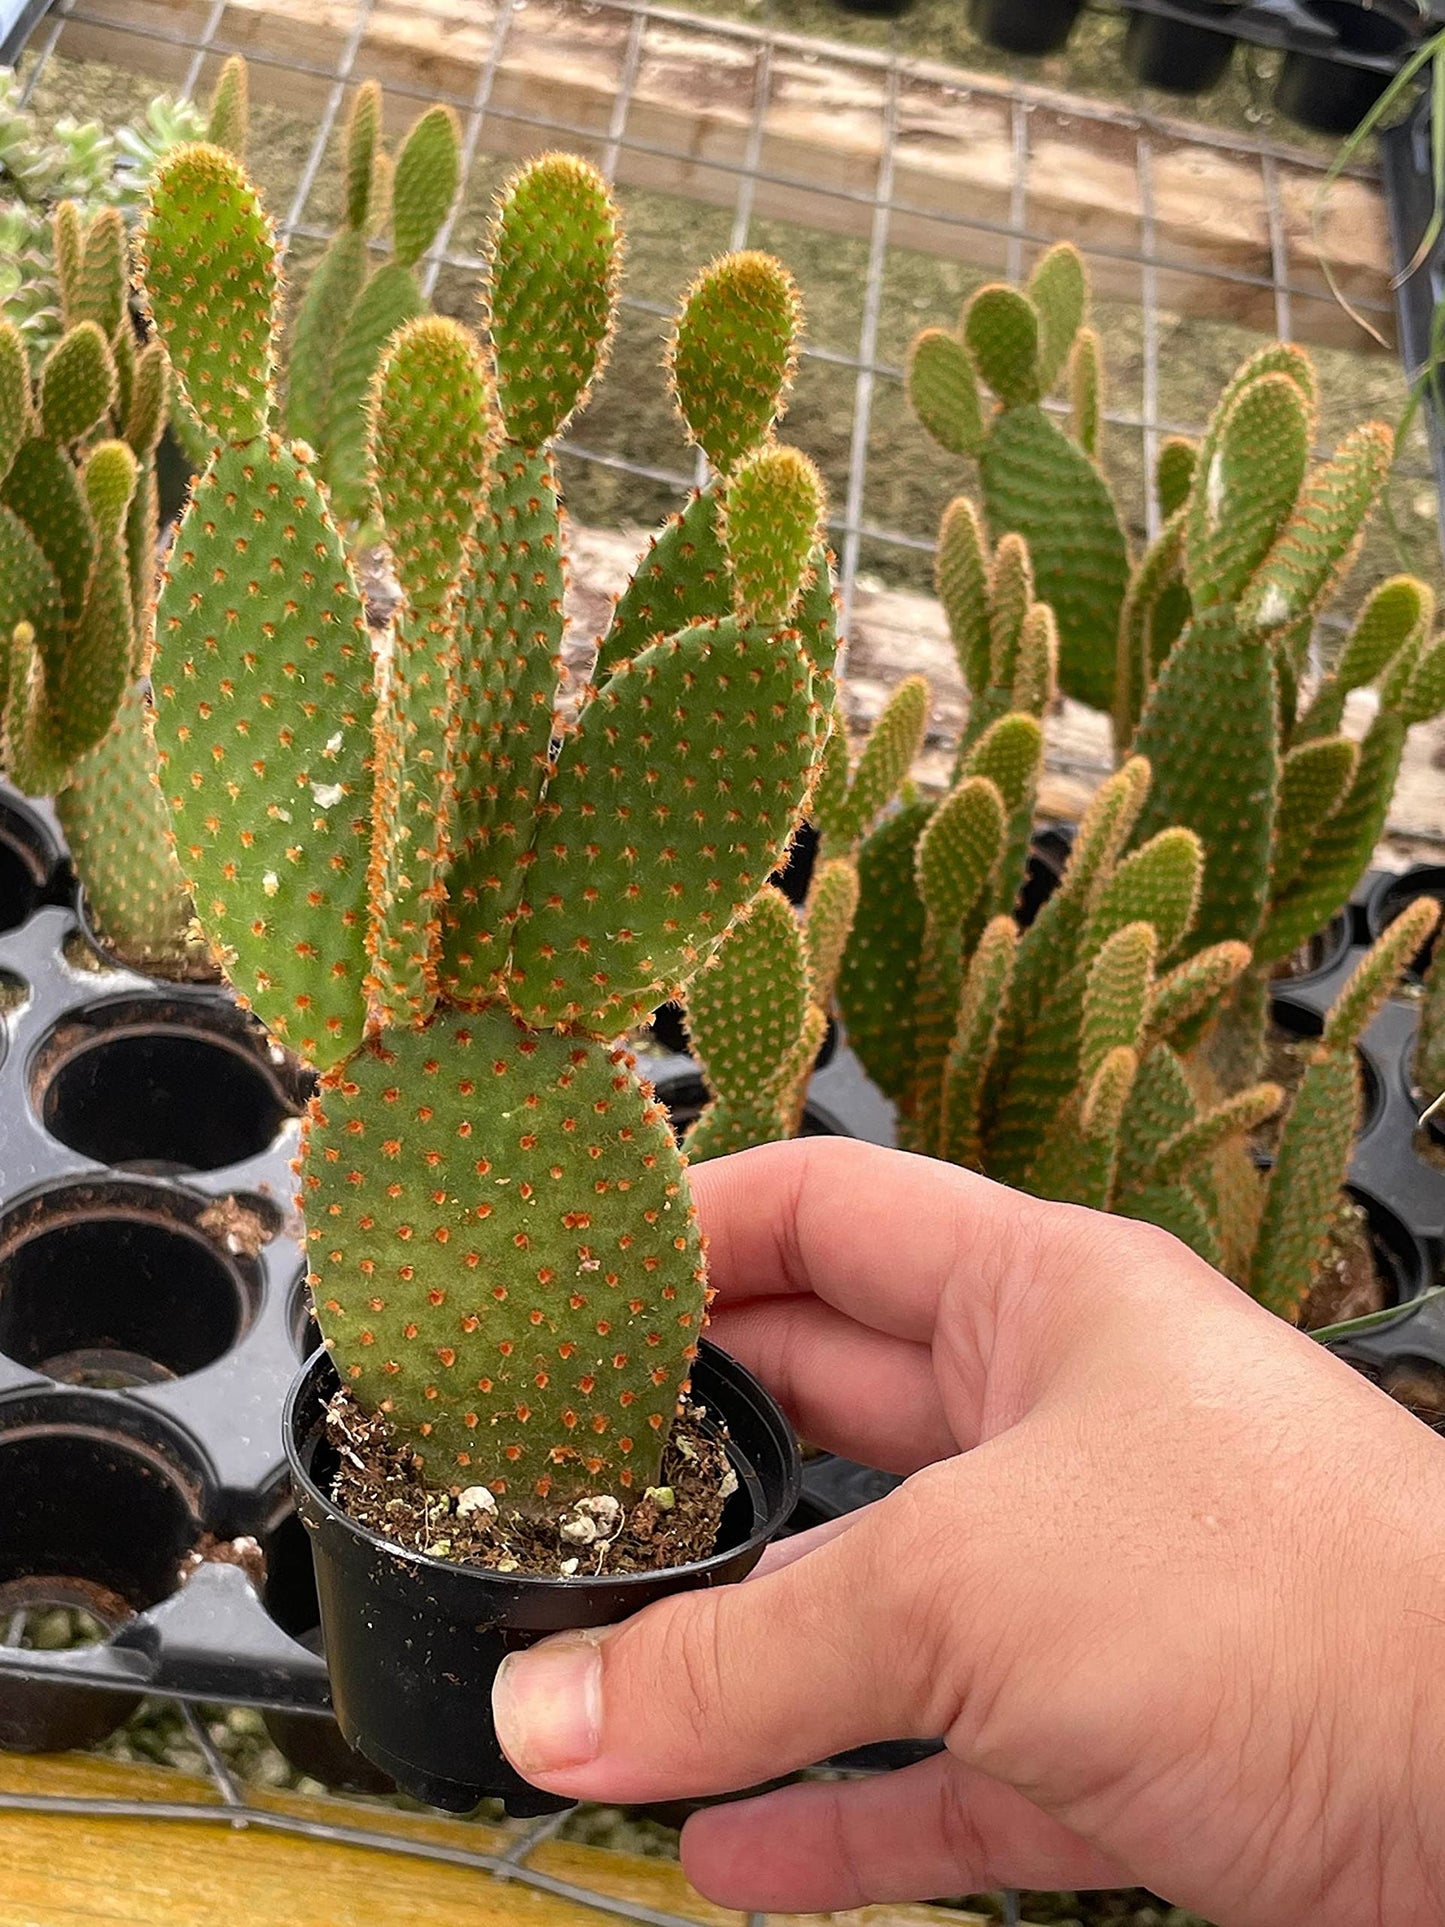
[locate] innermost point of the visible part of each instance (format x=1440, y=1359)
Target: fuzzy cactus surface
x=445, y=880
x=78, y=534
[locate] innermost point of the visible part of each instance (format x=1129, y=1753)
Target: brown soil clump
x=378, y=1484
x=1350, y=1283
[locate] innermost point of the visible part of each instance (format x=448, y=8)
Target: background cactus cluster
x=78, y=530
x=450, y=883
x=45, y=163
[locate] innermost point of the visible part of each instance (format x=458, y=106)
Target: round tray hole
x=1392, y=899
x=162, y=1090
x=93, y=1520
x=115, y=1286
x=25, y=866
x=1364, y=29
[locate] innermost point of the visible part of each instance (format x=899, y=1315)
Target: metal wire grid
x=1017, y=235
x=850, y=525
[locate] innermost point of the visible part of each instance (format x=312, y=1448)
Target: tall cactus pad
x=504, y=1254
x=1321, y=537
x=118, y=829
x=961, y=573
x=1196, y=985
x=1086, y=393
x=1304, y=1187
x=552, y=294
x=1001, y=328
x=1315, y=778
x=746, y=1011
x=1174, y=476
x=510, y=638
x=1059, y=291
x=1256, y=469
x=1377, y=975
x=734, y=353
x=1158, y=884
x=975, y=1037
x=390, y=299
x=363, y=144
x=28, y=593
x=832, y=906
x=210, y=279
x=1209, y=735
x=1116, y=995
x=881, y=964
x=893, y=742
x=944, y=392
x=14, y=396
x=77, y=384
x=44, y=491
x=424, y=185
x=266, y=769
x=1396, y=613
x=229, y=121
x=674, y=802
x=771, y=521
x=321, y=325
x=1038, y=483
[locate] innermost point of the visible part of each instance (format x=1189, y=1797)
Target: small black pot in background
x=413, y=1644
x=1393, y=895
x=1328, y=95
x=33, y=869
x=1179, y=55
x=1024, y=26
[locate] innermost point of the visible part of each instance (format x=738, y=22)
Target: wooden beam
x=67, y=1871
x=1214, y=229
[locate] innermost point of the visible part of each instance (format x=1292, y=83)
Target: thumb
x=707, y=1692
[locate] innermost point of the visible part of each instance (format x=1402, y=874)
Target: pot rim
x=766, y=1522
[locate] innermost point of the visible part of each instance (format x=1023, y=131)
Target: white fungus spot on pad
x=327, y=794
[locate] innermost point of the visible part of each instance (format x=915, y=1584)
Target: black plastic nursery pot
x=1024, y=26
x=413, y=1643
x=32, y=863
x=1392, y=895
x=1329, y=95
x=1181, y=56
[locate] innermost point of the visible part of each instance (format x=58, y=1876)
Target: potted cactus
x=449, y=888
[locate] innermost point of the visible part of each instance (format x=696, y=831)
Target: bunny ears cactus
x=429, y=884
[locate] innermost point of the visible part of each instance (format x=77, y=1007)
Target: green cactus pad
x=1101, y=1122
x=1339, y=853
x=832, y=907
x=1257, y=462
x=723, y=1128
x=1038, y=483
x=1314, y=780
x=1303, y=1195
x=32, y=761
x=1162, y=1104
x=1086, y=394
x=1174, y=474
x=28, y=593
x=746, y=1010
x=958, y=849
x=770, y=520
x=970, y=1055
x=363, y=143
x=511, y=640
x=881, y=963
x=555, y=252
x=1208, y=732
x=734, y=352
x=1036, y=664
x=1395, y=614
x=266, y=770
x=142, y=534
x=108, y=480
x=145, y=417
x=893, y=742
x=1159, y=883
x=682, y=579
x=1010, y=597
x=1319, y=541
x=943, y=390
x=961, y=574
x=1009, y=754
x=1116, y=995
x=68, y=246
x=440, y=1166
x=1151, y=621
x=14, y=395
x=1001, y=330
x=77, y=384
x=321, y=326
x=44, y=491
x=431, y=429
x=118, y=830
x=1059, y=291
x=209, y=276
x=389, y=300
x=229, y=119
x=1196, y=1142
x=104, y=274
x=86, y=683
x=1197, y=984
x=424, y=184
x=675, y=801
x=1425, y=692
x=1377, y=975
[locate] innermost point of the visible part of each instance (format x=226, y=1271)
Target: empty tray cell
x=161, y=1087
x=116, y=1285
x=27, y=862
x=95, y=1523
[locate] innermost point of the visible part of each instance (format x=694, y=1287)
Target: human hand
x=1168, y=1577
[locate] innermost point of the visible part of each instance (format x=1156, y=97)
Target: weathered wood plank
x=692, y=107
x=65, y=1871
